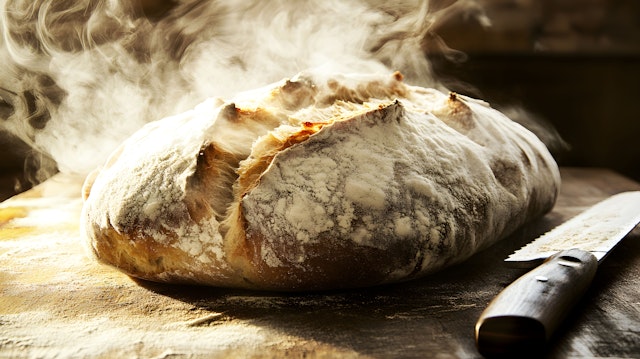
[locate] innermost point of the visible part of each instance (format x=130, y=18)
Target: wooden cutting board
x=55, y=301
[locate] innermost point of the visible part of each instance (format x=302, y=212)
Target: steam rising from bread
x=79, y=76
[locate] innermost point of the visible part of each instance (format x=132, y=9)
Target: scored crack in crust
x=316, y=182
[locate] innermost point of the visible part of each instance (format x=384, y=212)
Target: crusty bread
x=318, y=182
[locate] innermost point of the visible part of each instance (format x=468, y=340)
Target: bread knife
x=523, y=317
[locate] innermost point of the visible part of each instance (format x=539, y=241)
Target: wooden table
x=57, y=302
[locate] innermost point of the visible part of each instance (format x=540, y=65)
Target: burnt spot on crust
x=508, y=174
x=253, y=119
x=230, y=112
x=398, y=76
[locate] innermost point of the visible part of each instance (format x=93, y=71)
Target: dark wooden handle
x=522, y=318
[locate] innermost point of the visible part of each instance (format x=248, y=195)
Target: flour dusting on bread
x=317, y=182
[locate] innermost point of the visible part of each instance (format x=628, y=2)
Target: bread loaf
x=316, y=182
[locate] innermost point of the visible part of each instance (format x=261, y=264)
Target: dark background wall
x=12, y=159
x=574, y=64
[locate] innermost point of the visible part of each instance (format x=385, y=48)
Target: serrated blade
x=597, y=230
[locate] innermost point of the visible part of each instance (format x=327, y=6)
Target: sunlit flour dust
x=78, y=77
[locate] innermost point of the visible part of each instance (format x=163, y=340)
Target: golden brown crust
x=317, y=183
x=143, y=257
x=211, y=183
x=140, y=256
x=274, y=256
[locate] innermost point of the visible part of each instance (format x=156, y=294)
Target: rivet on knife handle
x=522, y=318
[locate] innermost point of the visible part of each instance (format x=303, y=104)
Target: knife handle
x=522, y=317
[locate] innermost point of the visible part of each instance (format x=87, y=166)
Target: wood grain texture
x=524, y=316
x=55, y=301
